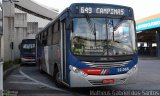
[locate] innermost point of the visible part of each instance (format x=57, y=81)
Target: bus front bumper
x=96, y=80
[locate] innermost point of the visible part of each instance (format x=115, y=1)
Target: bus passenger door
x=63, y=52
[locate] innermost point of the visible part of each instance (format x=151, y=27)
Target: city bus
x=27, y=51
x=89, y=45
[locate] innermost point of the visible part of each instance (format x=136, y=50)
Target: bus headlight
x=78, y=71
x=74, y=69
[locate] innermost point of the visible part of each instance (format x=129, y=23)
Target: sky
x=142, y=8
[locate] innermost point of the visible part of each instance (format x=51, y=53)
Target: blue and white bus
x=89, y=45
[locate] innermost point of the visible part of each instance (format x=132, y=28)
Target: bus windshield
x=102, y=37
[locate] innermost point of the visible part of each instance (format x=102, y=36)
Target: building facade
x=148, y=34
x=22, y=23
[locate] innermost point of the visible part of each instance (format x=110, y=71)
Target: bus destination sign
x=98, y=10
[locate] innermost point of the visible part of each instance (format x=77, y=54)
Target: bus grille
x=99, y=82
x=107, y=64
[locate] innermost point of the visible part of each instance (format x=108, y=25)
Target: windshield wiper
x=91, y=26
x=94, y=32
x=119, y=23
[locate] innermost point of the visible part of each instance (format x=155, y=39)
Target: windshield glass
x=28, y=46
x=102, y=37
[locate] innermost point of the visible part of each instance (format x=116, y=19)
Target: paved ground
x=27, y=81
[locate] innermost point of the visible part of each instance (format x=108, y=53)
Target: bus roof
x=98, y=4
x=74, y=7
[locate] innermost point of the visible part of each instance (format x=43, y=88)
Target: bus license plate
x=108, y=81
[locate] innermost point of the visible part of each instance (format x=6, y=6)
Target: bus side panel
x=46, y=59
x=39, y=53
x=41, y=58
x=51, y=60
x=54, y=58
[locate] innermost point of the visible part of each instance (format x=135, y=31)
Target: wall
x=32, y=27
x=17, y=29
x=20, y=31
x=8, y=31
x=17, y=26
x=23, y=30
x=7, y=38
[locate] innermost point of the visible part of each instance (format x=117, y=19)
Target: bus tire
x=56, y=77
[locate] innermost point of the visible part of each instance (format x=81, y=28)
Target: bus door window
x=64, y=48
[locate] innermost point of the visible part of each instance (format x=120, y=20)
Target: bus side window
x=44, y=38
x=52, y=33
x=56, y=36
x=41, y=38
x=49, y=39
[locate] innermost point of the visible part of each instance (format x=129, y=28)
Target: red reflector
x=108, y=81
x=92, y=71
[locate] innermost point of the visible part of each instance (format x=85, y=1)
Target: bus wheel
x=56, y=77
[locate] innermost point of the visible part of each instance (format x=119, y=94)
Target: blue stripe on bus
x=131, y=64
x=77, y=63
